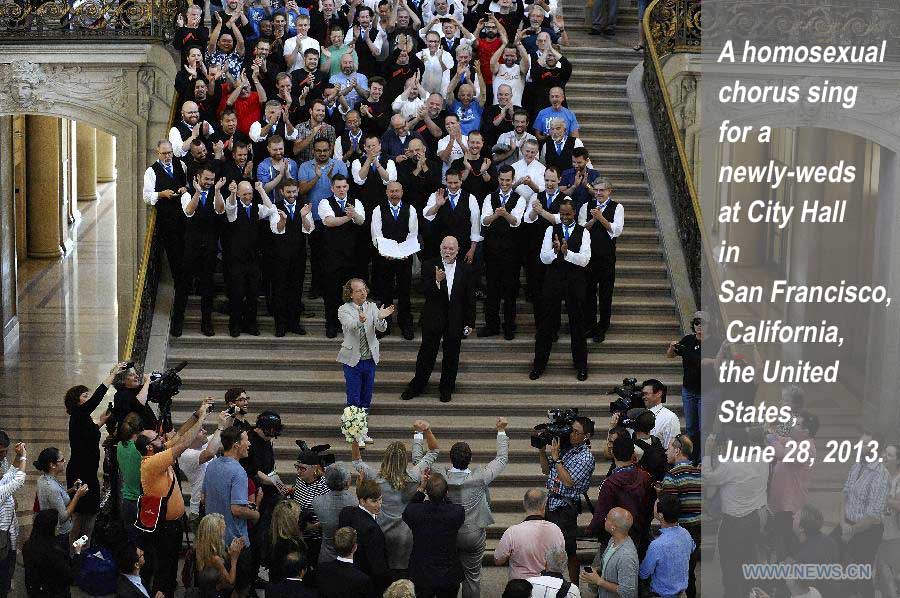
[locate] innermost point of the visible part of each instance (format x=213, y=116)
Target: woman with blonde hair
x=285, y=537
x=398, y=476
x=209, y=548
x=402, y=588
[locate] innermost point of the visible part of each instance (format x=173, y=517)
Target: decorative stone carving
x=32, y=86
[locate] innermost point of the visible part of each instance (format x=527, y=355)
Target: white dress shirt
x=474, y=214
x=516, y=211
x=742, y=485
x=450, y=273
x=339, y=149
x=151, y=196
x=264, y=213
x=667, y=425
x=390, y=168
x=378, y=42
x=412, y=224
x=256, y=132
x=187, y=196
x=579, y=258
x=532, y=216
x=308, y=223
x=406, y=107
x=177, y=140
x=514, y=141
x=325, y=210
x=618, y=221
x=536, y=171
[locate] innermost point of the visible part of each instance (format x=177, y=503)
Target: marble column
x=45, y=184
x=106, y=157
x=86, y=161
x=8, y=313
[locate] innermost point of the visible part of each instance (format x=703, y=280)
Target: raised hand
x=220, y=183
x=260, y=188
x=556, y=243
x=362, y=317
x=501, y=424
x=305, y=210
x=440, y=197
x=386, y=312
x=232, y=187
x=420, y=425
x=439, y=275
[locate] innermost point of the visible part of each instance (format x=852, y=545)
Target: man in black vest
x=604, y=220
x=275, y=122
x=369, y=38
x=420, y=176
x=341, y=217
x=542, y=213
x=164, y=182
x=200, y=246
x=557, y=149
x=567, y=251
x=371, y=174
x=501, y=214
x=449, y=288
x=228, y=134
x=242, y=236
x=349, y=145
x=199, y=157
x=395, y=220
x=454, y=212
x=189, y=128
x=289, y=258
x=239, y=167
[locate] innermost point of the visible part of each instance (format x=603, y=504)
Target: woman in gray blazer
x=359, y=352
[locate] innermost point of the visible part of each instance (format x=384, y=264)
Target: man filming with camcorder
x=568, y=469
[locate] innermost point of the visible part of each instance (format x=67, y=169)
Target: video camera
x=324, y=458
x=164, y=386
x=559, y=426
x=630, y=396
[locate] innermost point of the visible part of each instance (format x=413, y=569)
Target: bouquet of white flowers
x=354, y=423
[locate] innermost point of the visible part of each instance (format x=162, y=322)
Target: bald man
x=242, y=237
x=189, y=128
x=614, y=572
x=394, y=220
x=449, y=287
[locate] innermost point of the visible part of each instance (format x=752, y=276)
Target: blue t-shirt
x=542, y=122
x=667, y=560
x=323, y=185
x=225, y=484
x=469, y=117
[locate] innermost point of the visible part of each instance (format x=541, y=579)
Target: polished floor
x=68, y=325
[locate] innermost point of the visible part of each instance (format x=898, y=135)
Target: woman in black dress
x=84, y=449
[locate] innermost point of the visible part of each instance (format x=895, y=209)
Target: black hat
x=270, y=423
x=309, y=458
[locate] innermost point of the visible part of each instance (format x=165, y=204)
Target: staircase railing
x=673, y=26
x=94, y=20
x=147, y=284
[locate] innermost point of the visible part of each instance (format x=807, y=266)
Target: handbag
x=152, y=510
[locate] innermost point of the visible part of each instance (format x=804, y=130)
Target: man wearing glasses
x=310, y=484
x=568, y=477
x=683, y=481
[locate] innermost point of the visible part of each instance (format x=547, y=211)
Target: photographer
x=568, y=477
x=131, y=396
x=688, y=348
x=238, y=402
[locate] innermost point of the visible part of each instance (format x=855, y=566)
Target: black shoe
x=252, y=330
x=330, y=332
x=582, y=375
x=298, y=329
x=207, y=329
x=484, y=331
x=595, y=32
x=599, y=338
x=234, y=331
x=445, y=397
x=407, y=332
x=509, y=335
x=535, y=374
x=407, y=395
x=280, y=330
x=609, y=33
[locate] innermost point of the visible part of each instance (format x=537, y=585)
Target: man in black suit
x=294, y=567
x=566, y=250
x=603, y=219
x=201, y=242
x=341, y=578
x=371, y=557
x=130, y=559
x=289, y=256
x=449, y=288
x=542, y=213
x=434, y=565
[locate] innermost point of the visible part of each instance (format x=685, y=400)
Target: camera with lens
x=559, y=426
x=165, y=385
x=323, y=457
x=630, y=396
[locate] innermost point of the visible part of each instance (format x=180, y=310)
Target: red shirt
x=486, y=49
x=248, y=109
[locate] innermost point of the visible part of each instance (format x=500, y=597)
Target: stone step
x=591, y=64
x=604, y=89
x=581, y=99
x=601, y=129
x=560, y=381
x=609, y=144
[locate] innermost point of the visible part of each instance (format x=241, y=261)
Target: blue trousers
x=360, y=383
x=690, y=402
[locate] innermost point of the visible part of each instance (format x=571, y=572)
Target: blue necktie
x=354, y=141
x=453, y=198
x=566, y=232
x=602, y=206
x=342, y=203
x=247, y=210
x=504, y=197
x=203, y=198
x=290, y=208
x=395, y=210
x=550, y=199
x=559, y=147
x=168, y=168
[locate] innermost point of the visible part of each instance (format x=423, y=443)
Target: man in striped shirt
x=683, y=481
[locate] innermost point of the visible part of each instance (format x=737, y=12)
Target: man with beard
x=501, y=214
x=200, y=247
x=396, y=220
x=289, y=259
x=566, y=250
x=428, y=123
x=509, y=65
x=369, y=38
x=510, y=143
x=164, y=182
x=535, y=26
x=247, y=103
x=275, y=122
x=242, y=237
x=228, y=135
x=308, y=83
x=276, y=167
x=549, y=71
x=498, y=118
x=558, y=147
x=376, y=110
x=477, y=171
x=349, y=144
x=267, y=67
x=340, y=215
x=198, y=158
x=400, y=67
x=189, y=128
x=487, y=42
x=576, y=182
x=332, y=53
x=296, y=107
x=353, y=85
x=239, y=167
x=312, y=130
